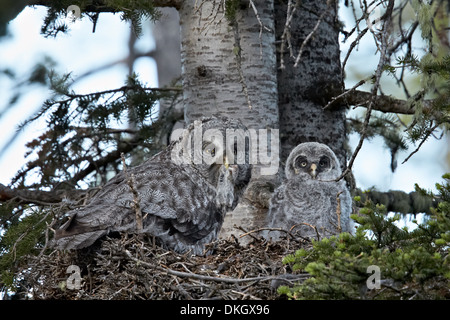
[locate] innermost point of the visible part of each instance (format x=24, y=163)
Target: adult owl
x=309, y=202
x=183, y=191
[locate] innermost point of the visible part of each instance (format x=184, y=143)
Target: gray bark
x=166, y=33
x=167, y=55
x=304, y=90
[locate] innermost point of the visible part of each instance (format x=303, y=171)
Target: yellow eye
x=301, y=162
x=209, y=149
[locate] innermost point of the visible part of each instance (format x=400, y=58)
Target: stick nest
x=133, y=267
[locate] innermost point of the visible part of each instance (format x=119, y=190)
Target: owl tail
x=75, y=235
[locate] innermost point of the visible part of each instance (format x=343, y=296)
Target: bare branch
x=381, y=103
x=261, y=27
x=344, y=94
x=27, y=196
x=285, y=37
x=136, y=199
x=384, y=43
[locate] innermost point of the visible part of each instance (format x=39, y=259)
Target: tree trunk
x=226, y=66
x=304, y=90
x=166, y=34
x=229, y=69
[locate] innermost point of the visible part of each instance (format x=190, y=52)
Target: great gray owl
x=309, y=196
x=184, y=191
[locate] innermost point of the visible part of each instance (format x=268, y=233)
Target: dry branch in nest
x=131, y=267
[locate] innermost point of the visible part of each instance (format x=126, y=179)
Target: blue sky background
x=80, y=50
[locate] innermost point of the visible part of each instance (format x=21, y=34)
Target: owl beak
x=313, y=172
x=226, y=164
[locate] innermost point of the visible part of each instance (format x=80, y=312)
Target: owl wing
x=294, y=203
x=276, y=212
x=277, y=216
x=177, y=207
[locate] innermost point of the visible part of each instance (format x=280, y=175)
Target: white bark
x=210, y=71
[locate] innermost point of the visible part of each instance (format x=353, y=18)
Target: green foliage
x=431, y=104
x=231, y=8
x=135, y=11
x=413, y=264
x=422, y=78
x=24, y=236
x=424, y=12
x=82, y=143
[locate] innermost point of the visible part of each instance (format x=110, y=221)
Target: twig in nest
x=249, y=233
x=198, y=276
x=309, y=225
x=136, y=206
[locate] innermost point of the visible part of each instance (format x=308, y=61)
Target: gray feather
x=305, y=200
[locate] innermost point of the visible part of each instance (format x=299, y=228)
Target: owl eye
x=210, y=149
x=301, y=162
x=324, y=162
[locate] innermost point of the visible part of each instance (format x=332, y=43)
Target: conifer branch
x=100, y=6
x=383, y=103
